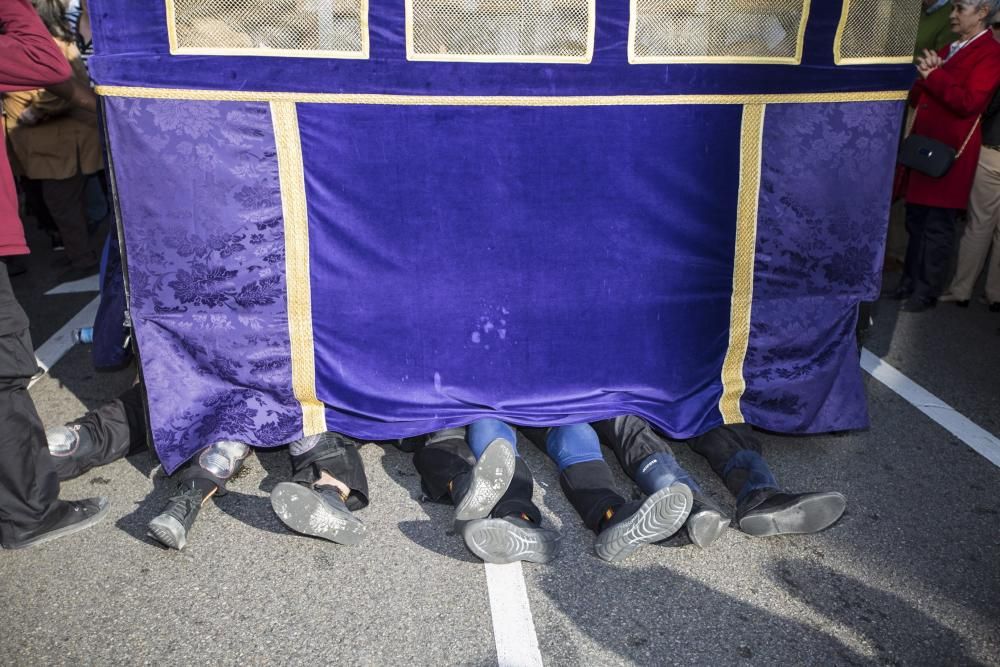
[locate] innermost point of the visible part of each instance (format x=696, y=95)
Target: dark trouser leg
x=733, y=452
x=113, y=430
x=915, y=218
x=644, y=455
x=584, y=475
x=65, y=201
x=29, y=487
x=445, y=456
x=336, y=455
x=938, y=242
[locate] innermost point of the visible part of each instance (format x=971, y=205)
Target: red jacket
x=29, y=59
x=948, y=102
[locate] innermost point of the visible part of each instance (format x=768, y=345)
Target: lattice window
x=298, y=28
x=877, y=31
x=500, y=30
x=723, y=31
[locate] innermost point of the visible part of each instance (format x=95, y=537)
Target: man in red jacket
x=30, y=509
x=955, y=87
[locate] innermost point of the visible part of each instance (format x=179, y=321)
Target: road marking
x=946, y=416
x=61, y=341
x=88, y=284
x=513, y=626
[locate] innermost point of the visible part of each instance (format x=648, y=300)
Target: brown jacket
x=66, y=140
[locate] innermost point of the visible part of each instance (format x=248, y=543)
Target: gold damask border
x=284, y=117
x=178, y=50
x=496, y=100
x=751, y=146
x=736, y=60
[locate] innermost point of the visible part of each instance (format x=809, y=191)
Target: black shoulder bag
x=930, y=156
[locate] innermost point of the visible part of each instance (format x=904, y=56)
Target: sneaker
x=319, y=511
x=643, y=522
x=81, y=514
x=768, y=513
x=486, y=482
x=706, y=523
x=172, y=526
x=509, y=540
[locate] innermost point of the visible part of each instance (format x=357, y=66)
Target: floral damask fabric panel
x=823, y=213
x=206, y=271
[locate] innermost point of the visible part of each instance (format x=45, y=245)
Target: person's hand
x=76, y=93
x=928, y=62
x=29, y=117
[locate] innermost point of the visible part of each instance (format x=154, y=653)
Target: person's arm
x=64, y=97
x=29, y=57
x=968, y=96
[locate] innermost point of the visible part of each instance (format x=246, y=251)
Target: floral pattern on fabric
x=206, y=271
x=826, y=177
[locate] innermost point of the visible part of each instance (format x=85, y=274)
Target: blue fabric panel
x=132, y=50
x=539, y=265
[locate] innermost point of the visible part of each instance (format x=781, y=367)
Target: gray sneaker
x=509, y=540
x=634, y=524
x=80, y=515
x=318, y=511
x=486, y=482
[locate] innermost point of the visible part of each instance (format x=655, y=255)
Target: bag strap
x=913, y=119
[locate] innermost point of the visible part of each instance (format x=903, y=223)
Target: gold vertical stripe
x=296, y=221
x=733, y=384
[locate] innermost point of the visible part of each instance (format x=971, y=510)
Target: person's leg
x=984, y=207
x=30, y=510
x=762, y=509
x=645, y=456
x=584, y=475
x=329, y=484
x=993, y=267
x=915, y=216
x=195, y=482
x=65, y=201
x=939, y=240
x=508, y=527
x=103, y=435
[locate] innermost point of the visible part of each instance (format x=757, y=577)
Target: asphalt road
x=910, y=575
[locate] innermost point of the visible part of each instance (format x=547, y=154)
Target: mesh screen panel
x=879, y=30
x=499, y=29
x=716, y=30
x=335, y=26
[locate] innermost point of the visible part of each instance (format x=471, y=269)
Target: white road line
x=61, y=341
x=88, y=284
x=961, y=427
x=513, y=627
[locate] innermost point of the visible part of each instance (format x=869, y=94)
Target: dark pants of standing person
x=29, y=487
x=67, y=203
x=928, y=254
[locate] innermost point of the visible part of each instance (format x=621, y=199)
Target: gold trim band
x=733, y=383
x=495, y=100
x=293, y=209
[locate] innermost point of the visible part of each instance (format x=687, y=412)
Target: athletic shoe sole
x=807, y=514
x=499, y=541
x=659, y=517
x=706, y=527
x=168, y=531
x=491, y=476
x=304, y=511
x=67, y=530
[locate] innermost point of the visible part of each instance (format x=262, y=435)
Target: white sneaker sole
x=491, y=477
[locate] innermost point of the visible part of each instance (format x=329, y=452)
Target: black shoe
x=962, y=303
x=478, y=491
x=644, y=522
x=706, y=523
x=768, y=512
x=995, y=307
x=172, y=526
x=80, y=515
x=78, y=273
x=509, y=540
x=319, y=511
x=915, y=305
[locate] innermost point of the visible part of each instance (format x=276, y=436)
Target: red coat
x=29, y=58
x=948, y=102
